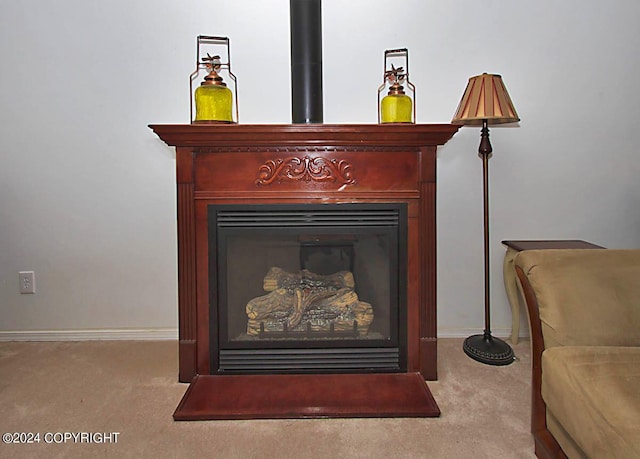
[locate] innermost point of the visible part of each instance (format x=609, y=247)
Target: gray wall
x=87, y=194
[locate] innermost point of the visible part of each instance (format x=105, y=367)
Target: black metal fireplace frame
x=311, y=355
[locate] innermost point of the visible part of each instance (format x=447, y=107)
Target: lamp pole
x=484, y=151
x=485, y=348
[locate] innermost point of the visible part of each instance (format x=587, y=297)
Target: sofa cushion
x=586, y=297
x=594, y=393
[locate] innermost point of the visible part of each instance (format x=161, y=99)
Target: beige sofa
x=584, y=317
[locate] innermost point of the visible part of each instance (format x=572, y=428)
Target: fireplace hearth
x=306, y=249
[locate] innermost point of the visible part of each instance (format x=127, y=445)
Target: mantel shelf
x=335, y=135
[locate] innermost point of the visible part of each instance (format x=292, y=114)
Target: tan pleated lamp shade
x=486, y=98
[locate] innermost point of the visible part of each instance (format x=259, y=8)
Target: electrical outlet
x=27, y=282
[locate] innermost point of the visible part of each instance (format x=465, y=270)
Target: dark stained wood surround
x=233, y=164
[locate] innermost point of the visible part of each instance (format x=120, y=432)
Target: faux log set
x=308, y=302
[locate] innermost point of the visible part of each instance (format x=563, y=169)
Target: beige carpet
x=131, y=388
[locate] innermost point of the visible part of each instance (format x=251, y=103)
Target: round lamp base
x=487, y=349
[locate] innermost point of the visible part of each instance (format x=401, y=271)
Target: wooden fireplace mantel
x=256, y=135
x=305, y=163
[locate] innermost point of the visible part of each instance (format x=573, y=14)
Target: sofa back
x=585, y=297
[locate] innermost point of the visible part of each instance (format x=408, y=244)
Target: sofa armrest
x=545, y=445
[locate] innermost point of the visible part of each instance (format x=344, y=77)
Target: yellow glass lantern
x=397, y=106
x=213, y=100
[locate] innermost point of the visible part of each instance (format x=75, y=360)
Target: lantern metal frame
x=224, y=64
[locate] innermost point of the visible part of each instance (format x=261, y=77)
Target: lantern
x=214, y=101
x=398, y=105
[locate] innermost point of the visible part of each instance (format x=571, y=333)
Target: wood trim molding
x=306, y=168
x=187, y=294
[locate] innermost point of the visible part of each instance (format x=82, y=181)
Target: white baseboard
x=162, y=334
x=502, y=333
x=124, y=334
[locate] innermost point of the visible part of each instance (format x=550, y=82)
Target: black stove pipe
x=306, y=61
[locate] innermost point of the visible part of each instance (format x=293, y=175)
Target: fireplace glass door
x=307, y=288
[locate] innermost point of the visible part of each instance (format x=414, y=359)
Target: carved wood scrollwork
x=294, y=169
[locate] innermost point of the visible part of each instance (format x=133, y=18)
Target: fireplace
x=306, y=258
x=307, y=288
